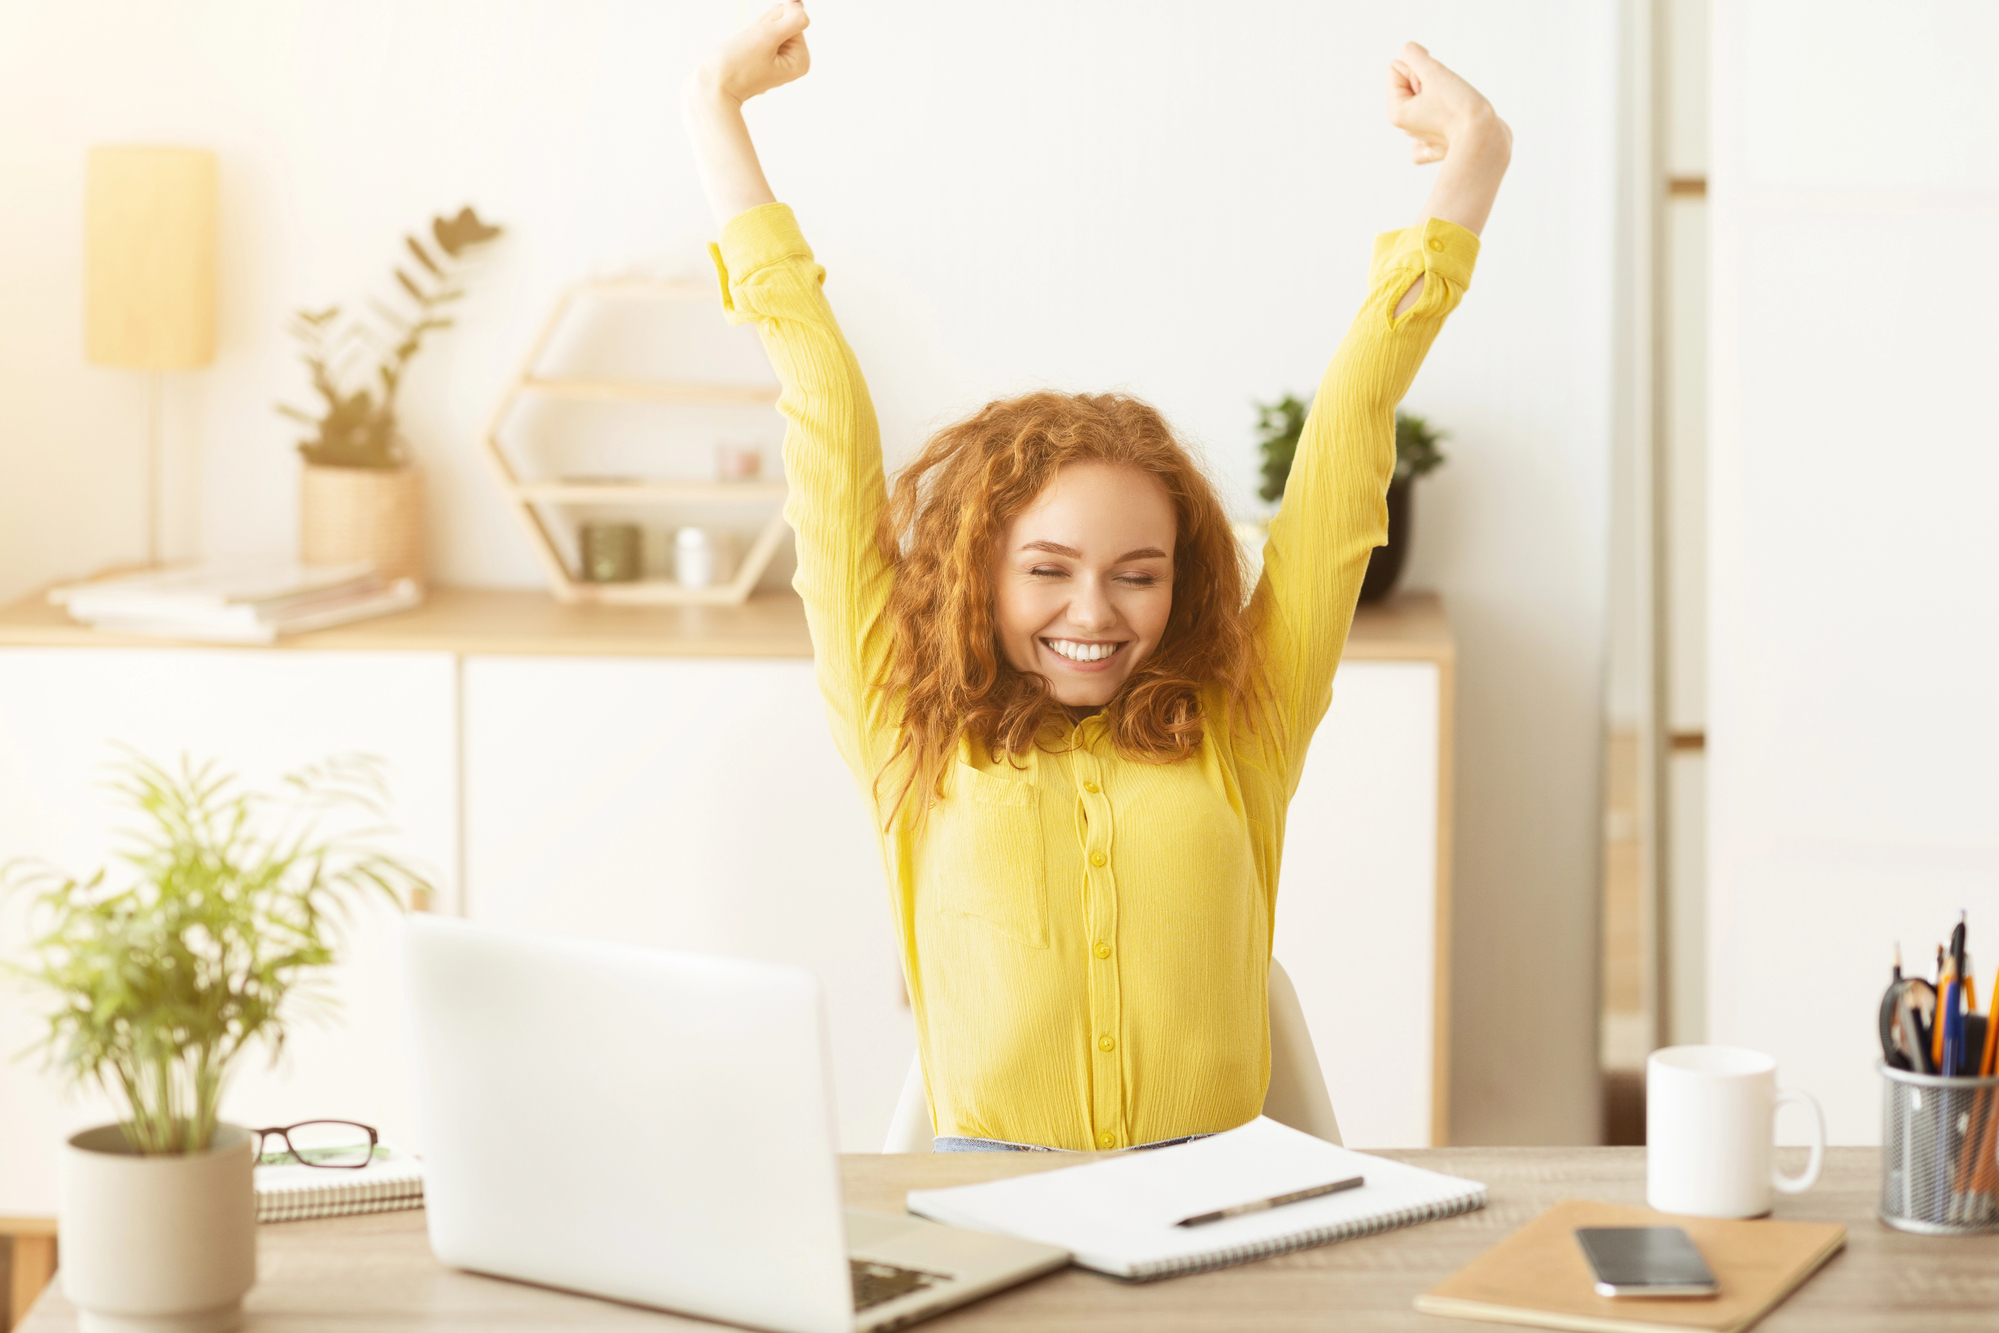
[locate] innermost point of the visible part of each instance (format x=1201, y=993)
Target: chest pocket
x=982, y=856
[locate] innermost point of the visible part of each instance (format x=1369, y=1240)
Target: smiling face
x=1083, y=580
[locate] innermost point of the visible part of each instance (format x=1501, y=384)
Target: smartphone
x=1646, y=1261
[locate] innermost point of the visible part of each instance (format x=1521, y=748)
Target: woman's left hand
x=1439, y=110
x=1451, y=123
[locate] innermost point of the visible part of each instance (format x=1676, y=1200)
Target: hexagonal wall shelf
x=525, y=494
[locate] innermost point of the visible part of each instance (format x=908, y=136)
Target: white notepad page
x=1117, y=1216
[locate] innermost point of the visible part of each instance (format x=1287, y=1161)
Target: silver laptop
x=657, y=1128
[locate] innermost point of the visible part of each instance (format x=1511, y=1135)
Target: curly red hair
x=950, y=508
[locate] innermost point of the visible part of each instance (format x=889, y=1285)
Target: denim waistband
x=957, y=1143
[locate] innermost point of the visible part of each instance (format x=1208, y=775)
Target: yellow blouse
x=1087, y=939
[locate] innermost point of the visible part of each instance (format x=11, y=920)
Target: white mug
x=1710, y=1131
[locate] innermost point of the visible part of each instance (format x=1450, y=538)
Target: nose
x=1090, y=610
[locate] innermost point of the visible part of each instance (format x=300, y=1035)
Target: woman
x=1078, y=740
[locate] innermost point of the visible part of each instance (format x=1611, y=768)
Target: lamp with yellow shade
x=149, y=285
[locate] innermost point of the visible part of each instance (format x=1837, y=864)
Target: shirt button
x=1097, y=859
x=1103, y=950
x=1090, y=787
x=1107, y=1139
x=1106, y=1043
x=1436, y=242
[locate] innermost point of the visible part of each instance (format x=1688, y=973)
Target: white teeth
x=1081, y=652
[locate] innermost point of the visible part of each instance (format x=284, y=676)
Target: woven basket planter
x=347, y=514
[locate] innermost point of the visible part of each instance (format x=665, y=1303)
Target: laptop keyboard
x=875, y=1283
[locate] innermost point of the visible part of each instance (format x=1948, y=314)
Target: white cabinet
x=1358, y=901
x=63, y=711
x=688, y=804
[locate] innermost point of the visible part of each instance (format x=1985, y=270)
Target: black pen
x=1296, y=1196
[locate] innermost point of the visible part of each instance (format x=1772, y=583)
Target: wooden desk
x=376, y=1273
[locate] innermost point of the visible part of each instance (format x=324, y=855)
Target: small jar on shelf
x=610, y=552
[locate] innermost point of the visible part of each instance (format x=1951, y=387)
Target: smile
x=1077, y=650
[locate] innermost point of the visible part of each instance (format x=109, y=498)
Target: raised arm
x=832, y=446
x=768, y=54
x=1335, y=503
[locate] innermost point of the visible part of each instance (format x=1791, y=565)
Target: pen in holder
x=1939, y=1173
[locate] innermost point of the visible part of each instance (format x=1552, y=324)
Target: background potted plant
x=361, y=498
x=1278, y=426
x=160, y=985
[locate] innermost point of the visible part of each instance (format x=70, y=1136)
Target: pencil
x=1991, y=1052
x=1985, y=1166
x=1942, y=1020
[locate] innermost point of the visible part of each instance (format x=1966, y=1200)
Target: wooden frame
x=1440, y=1048
x=524, y=495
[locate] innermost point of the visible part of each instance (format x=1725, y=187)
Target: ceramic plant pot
x=157, y=1244
x=348, y=514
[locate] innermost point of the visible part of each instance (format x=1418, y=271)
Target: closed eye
x=1048, y=572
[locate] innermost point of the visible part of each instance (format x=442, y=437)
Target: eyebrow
x=1056, y=548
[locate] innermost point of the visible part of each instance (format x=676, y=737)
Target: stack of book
x=235, y=602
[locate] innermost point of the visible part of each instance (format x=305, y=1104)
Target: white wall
x=1853, y=800
x=1173, y=198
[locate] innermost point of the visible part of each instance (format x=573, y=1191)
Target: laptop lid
x=650, y=1126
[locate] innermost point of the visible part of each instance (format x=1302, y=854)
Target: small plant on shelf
x=227, y=922
x=357, y=365
x=1280, y=424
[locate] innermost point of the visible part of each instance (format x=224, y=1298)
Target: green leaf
x=1279, y=426
x=1416, y=452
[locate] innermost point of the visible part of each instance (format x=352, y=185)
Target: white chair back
x=910, y=1130
x=1296, y=1097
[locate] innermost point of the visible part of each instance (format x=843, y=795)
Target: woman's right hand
x=767, y=54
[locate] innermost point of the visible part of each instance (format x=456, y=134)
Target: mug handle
x=1799, y=1184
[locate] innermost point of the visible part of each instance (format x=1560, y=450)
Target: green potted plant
x=1278, y=426
x=361, y=497
x=162, y=978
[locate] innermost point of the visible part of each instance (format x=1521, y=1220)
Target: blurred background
x=1713, y=539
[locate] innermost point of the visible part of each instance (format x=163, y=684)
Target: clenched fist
x=1436, y=108
x=767, y=54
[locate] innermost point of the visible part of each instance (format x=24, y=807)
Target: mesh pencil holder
x=1939, y=1175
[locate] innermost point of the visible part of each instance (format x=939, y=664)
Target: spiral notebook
x=289, y=1192
x=1119, y=1216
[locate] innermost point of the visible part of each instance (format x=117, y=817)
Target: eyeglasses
x=339, y=1145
